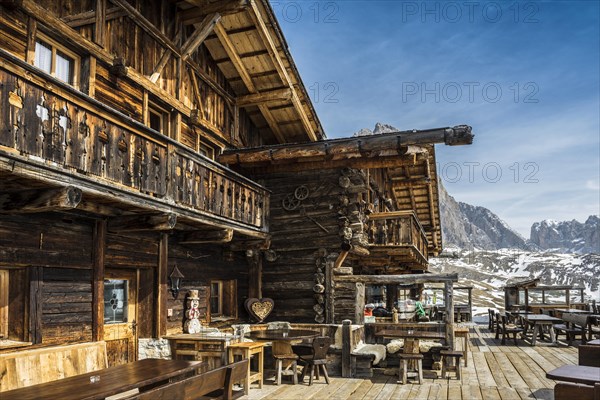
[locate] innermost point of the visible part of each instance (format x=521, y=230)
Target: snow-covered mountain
x=568, y=236
x=379, y=128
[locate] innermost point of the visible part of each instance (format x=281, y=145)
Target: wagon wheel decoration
x=290, y=203
x=301, y=192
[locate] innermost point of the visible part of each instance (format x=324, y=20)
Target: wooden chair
x=402, y=371
x=491, y=315
x=279, y=359
x=318, y=358
x=574, y=325
x=572, y=391
x=447, y=356
x=505, y=329
x=589, y=355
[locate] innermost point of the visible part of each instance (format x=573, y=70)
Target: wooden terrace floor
x=495, y=372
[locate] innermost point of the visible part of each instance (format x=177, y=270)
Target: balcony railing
x=397, y=229
x=51, y=123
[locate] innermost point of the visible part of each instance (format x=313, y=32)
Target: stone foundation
x=154, y=348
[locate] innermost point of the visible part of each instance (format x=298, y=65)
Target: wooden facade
x=137, y=136
x=111, y=116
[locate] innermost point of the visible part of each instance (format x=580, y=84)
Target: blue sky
x=525, y=75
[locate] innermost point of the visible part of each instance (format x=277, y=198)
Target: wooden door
x=120, y=315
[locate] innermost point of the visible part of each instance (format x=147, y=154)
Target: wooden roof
x=251, y=51
x=407, y=156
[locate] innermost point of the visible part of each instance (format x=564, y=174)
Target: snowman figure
x=192, y=323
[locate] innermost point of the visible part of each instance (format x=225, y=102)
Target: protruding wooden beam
x=89, y=17
x=407, y=279
x=40, y=200
x=199, y=237
x=205, y=7
x=200, y=34
x=270, y=96
x=255, y=244
x=136, y=223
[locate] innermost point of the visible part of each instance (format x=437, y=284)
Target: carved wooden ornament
x=259, y=309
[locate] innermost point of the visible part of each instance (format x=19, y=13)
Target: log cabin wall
x=314, y=216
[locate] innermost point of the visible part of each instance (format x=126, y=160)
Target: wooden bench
x=41, y=365
x=571, y=391
x=575, y=324
x=589, y=355
x=221, y=378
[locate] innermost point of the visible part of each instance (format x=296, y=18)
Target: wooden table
x=282, y=338
x=540, y=321
x=576, y=374
x=405, y=334
x=201, y=347
x=246, y=350
x=110, y=381
x=572, y=310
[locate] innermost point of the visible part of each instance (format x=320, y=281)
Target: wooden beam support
x=99, y=243
x=89, y=17
x=270, y=96
x=100, y=23
x=255, y=269
x=202, y=31
x=281, y=69
x=31, y=36
x=164, y=59
x=408, y=279
x=205, y=7
x=199, y=237
x=243, y=72
x=140, y=223
x=152, y=30
x=254, y=244
x=36, y=284
x=162, y=289
x=40, y=200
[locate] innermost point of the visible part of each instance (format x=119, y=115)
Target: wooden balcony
x=397, y=240
x=52, y=135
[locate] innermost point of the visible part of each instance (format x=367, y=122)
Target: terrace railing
x=47, y=122
x=397, y=229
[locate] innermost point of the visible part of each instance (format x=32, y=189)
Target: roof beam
x=201, y=237
x=274, y=53
x=205, y=7
x=243, y=72
x=264, y=97
x=404, y=279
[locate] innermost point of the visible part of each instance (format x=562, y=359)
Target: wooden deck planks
x=495, y=372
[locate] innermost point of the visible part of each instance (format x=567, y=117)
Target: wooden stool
x=247, y=350
x=448, y=355
x=279, y=359
x=402, y=372
x=463, y=332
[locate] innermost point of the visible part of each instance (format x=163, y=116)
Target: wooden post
x=162, y=288
x=99, y=240
x=470, y=304
x=526, y=299
x=346, y=348
x=329, y=292
x=36, y=282
x=568, y=294
x=100, y=31
x=449, y=300
x=254, y=274
x=359, y=303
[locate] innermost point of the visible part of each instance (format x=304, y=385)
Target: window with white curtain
x=56, y=61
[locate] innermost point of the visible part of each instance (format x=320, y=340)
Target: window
x=223, y=300
x=56, y=61
x=115, y=301
x=158, y=119
x=206, y=150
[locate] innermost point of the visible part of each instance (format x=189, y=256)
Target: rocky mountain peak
x=567, y=236
x=379, y=129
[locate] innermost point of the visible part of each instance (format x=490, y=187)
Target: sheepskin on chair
x=395, y=345
x=378, y=350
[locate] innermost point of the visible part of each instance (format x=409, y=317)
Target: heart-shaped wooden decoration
x=259, y=309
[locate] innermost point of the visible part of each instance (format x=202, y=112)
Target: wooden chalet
x=152, y=147
x=111, y=115
x=343, y=211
